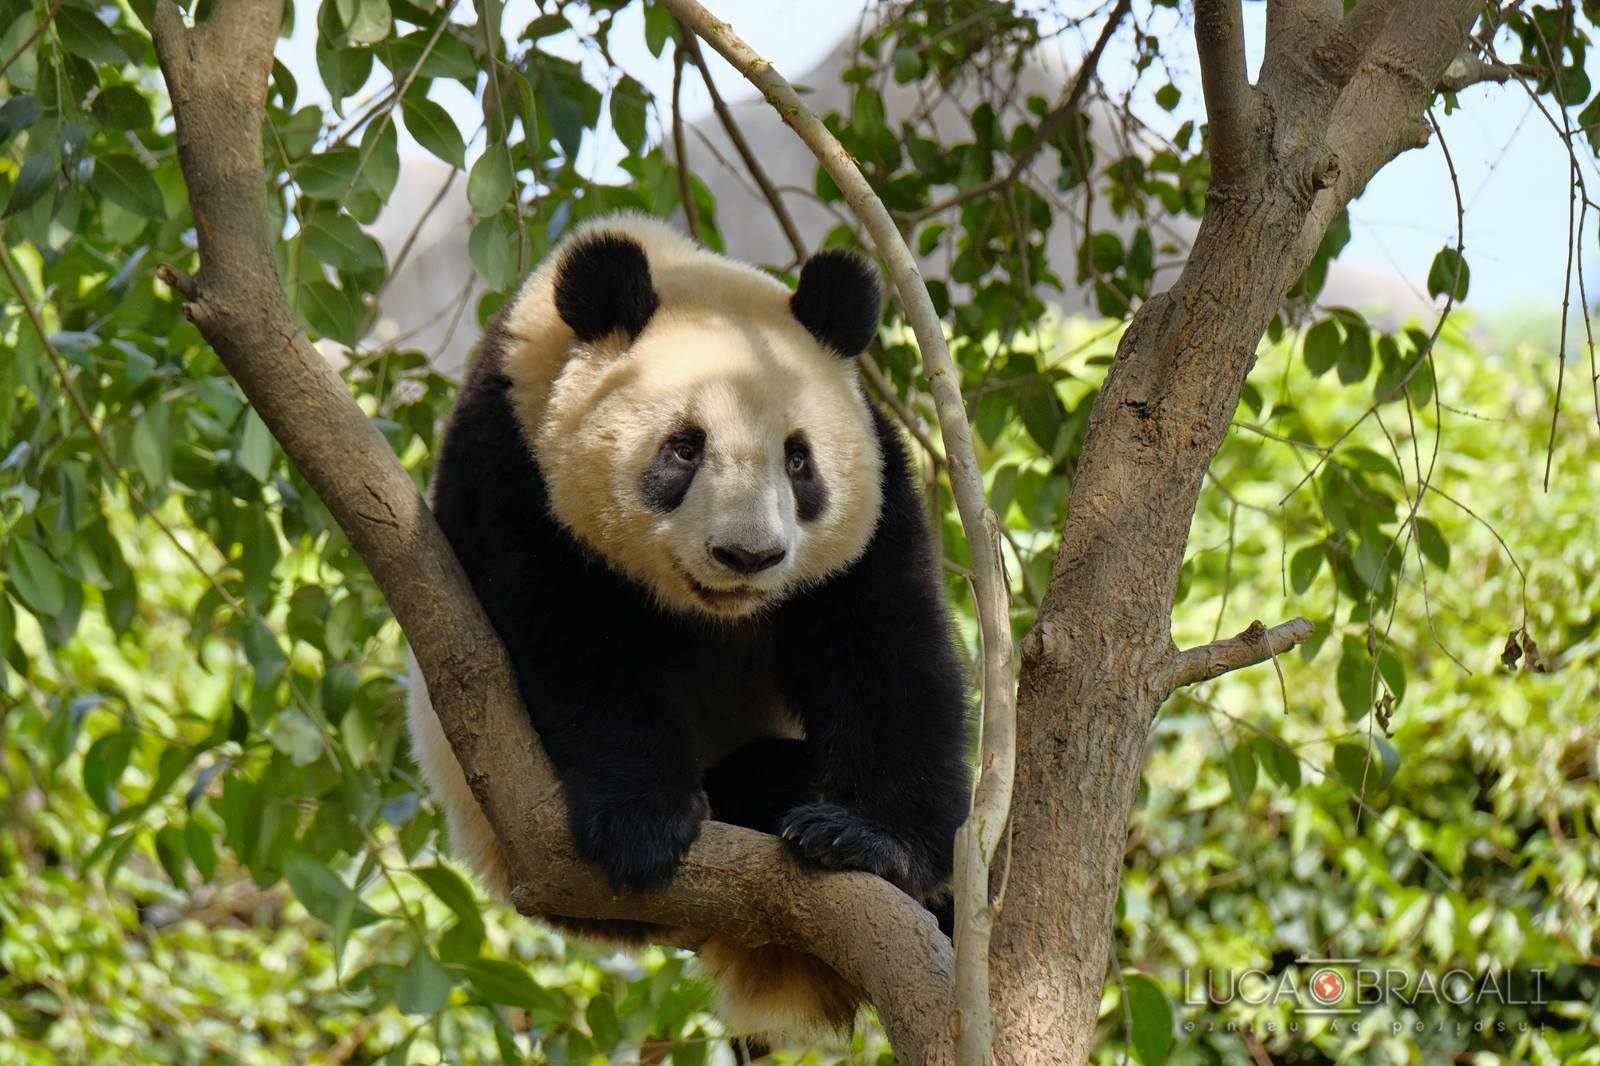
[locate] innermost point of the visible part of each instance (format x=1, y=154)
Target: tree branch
x=1467, y=70
x=980, y=836
x=1230, y=101
x=1052, y=124
x=1256, y=644
x=734, y=882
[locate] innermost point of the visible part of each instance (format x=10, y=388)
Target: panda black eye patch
x=810, y=496
x=666, y=481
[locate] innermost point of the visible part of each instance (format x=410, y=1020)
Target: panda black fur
x=708, y=559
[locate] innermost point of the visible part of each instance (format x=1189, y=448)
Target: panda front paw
x=639, y=840
x=841, y=839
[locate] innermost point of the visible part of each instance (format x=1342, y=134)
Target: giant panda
x=706, y=554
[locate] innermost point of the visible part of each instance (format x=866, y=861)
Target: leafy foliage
x=216, y=847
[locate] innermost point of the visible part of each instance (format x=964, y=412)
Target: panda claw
x=840, y=839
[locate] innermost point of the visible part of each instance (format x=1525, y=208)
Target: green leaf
x=628, y=113
x=424, y=986
x=1150, y=1027
x=659, y=28
x=254, y=454
x=454, y=892
x=1434, y=547
x=85, y=36
x=505, y=983
x=262, y=650
x=37, y=174
x=1442, y=275
x=1351, y=764
x=1167, y=97
x=1388, y=761
x=18, y=113
x=121, y=107
x=322, y=893
x=1279, y=761
x=908, y=65
x=366, y=21
x=380, y=144
x=103, y=766
x=1355, y=355
x=172, y=849
x=434, y=129
x=38, y=581
x=328, y=175
x=8, y=625
x=493, y=251
x=202, y=850
x=344, y=70
x=1303, y=567
x=329, y=311
x=1354, y=678
x=448, y=59
x=564, y=112
x=490, y=183
x=127, y=183
x=1241, y=766
x=339, y=241
x=1393, y=672
x=604, y=1025
x=152, y=446
x=1322, y=346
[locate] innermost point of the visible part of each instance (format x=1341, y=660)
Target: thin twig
x=691, y=216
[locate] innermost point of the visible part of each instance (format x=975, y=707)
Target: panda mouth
x=714, y=597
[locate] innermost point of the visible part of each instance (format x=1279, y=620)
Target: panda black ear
x=839, y=300
x=603, y=285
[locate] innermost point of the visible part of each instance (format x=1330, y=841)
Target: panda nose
x=744, y=560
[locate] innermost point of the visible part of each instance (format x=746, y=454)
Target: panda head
x=706, y=434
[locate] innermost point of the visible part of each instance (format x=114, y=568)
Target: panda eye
x=799, y=461
x=686, y=452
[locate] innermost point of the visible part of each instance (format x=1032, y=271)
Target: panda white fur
x=706, y=554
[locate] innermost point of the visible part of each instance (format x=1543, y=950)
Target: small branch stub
x=1255, y=645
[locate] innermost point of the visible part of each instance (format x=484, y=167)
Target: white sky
x=1512, y=167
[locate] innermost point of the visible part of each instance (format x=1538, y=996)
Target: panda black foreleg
x=623, y=753
x=883, y=700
